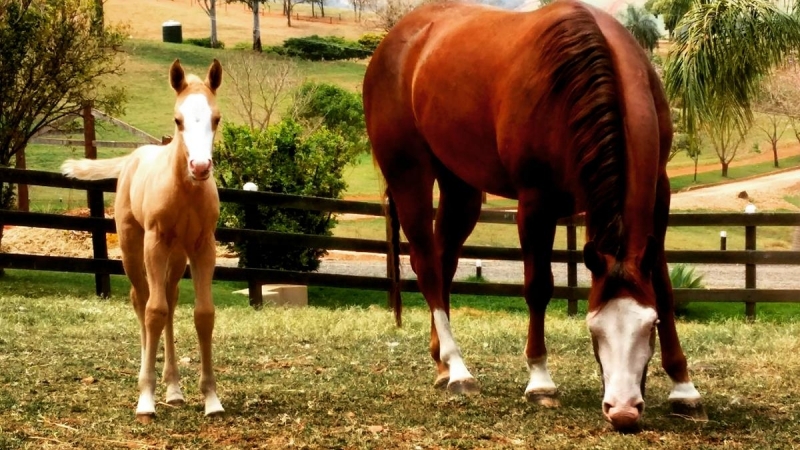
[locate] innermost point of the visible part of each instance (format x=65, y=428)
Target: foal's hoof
x=145, y=419
x=176, y=402
x=547, y=398
x=467, y=386
x=689, y=409
x=441, y=381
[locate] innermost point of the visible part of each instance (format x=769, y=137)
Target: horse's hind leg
x=171, y=376
x=409, y=177
x=456, y=216
x=684, y=397
x=537, y=226
x=202, y=264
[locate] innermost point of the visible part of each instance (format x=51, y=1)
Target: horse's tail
x=584, y=78
x=393, y=266
x=94, y=169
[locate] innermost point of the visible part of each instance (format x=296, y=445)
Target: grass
x=347, y=378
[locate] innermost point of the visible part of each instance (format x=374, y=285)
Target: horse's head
x=196, y=116
x=622, y=321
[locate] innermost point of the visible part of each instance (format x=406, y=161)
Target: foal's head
x=196, y=116
x=622, y=321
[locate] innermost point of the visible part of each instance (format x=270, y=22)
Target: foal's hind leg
x=537, y=226
x=456, y=216
x=171, y=376
x=684, y=396
x=202, y=264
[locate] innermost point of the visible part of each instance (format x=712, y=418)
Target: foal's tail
x=94, y=169
x=393, y=254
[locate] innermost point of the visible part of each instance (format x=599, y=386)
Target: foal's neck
x=177, y=159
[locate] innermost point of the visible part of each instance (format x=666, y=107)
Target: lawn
x=342, y=376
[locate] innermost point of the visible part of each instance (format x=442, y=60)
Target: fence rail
x=102, y=266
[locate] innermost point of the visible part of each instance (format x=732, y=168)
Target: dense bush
x=203, y=42
x=284, y=159
x=682, y=276
x=319, y=48
x=340, y=110
x=370, y=41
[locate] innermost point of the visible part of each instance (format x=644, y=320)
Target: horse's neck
x=179, y=164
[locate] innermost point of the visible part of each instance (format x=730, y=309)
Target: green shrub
x=682, y=276
x=284, y=159
x=340, y=110
x=370, y=41
x=203, y=42
x=319, y=48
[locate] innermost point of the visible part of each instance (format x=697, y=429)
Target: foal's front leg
x=202, y=264
x=156, y=253
x=171, y=377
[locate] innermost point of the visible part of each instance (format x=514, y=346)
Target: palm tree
x=722, y=51
x=671, y=10
x=642, y=26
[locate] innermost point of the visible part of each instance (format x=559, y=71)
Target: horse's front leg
x=156, y=253
x=684, y=398
x=171, y=376
x=202, y=265
x=536, y=234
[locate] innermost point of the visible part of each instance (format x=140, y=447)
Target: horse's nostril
x=640, y=407
x=606, y=407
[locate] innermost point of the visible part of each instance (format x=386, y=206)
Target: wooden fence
x=102, y=266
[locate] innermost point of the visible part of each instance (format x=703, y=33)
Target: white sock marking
x=540, y=380
x=684, y=391
x=448, y=349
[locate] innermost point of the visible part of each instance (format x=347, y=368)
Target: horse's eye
x=178, y=122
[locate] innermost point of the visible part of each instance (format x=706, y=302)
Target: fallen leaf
x=89, y=380
x=375, y=428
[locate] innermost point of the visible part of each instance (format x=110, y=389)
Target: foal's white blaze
x=198, y=134
x=623, y=331
x=448, y=349
x=540, y=380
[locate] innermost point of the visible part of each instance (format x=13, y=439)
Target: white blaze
x=198, y=135
x=622, y=330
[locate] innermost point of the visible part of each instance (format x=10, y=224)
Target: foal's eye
x=215, y=121
x=178, y=122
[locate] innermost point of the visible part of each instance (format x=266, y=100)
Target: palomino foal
x=166, y=211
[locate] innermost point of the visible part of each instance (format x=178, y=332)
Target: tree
x=389, y=12
x=771, y=103
x=780, y=101
x=288, y=9
x=52, y=59
x=642, y=26
x=258, y=86
x=358, y=8
x=338, y=109
x=671, y=10
x=719, y=59
x=210, y=7
x=254, y=7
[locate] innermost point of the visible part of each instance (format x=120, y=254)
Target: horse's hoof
x=176, y=401
x=689, y=409
x=467, y=386
x=145, y=418
x=547, y=398
x=215, y=412
x=441, y=381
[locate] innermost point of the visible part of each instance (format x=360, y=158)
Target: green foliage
x=370, y=41
x=671, y=10
x=52, y=58
x=203, y=42
x=682, y=276
x=340, y=110
x=319, y=48
x=642, y=26
x=284, y=159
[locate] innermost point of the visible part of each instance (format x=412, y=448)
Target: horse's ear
x=647, y=259
x=177, y=78
x=593, y=259
x=214, y=76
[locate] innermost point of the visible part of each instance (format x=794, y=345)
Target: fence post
x=166, y=139
x=250, y=217
x=723, y=240
x=750, y=269
x=572, y=269
x=102, y=281
x=393, y=261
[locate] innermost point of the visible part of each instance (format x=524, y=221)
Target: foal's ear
x=177, y=78
x=593, y=259
x=214, y=76
x=647, y=259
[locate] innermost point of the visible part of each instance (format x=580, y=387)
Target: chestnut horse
x=166, y=211
x=560, y=109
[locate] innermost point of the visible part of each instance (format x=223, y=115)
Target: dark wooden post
x=102, y=281
x=23, y=199
x=166, y=139
x=723, y=240
x=750, y=271
x=572, y=270
x=251, y=250
x=393, y=261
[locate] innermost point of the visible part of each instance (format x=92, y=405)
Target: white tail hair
x=93, y=169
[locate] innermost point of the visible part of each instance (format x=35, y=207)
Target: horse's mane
x=583, y=78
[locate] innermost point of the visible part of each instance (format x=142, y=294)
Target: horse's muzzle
x=200, y=170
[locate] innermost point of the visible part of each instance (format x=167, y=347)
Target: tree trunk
x=212, y=13
x=286, y=10
x=289, y=9
x=775, y=152
x=256, y=28
x=725, y=169
x=322, y=8
x=313, y=9
x=23, y=200
x=695, y=169
x=97, y=21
